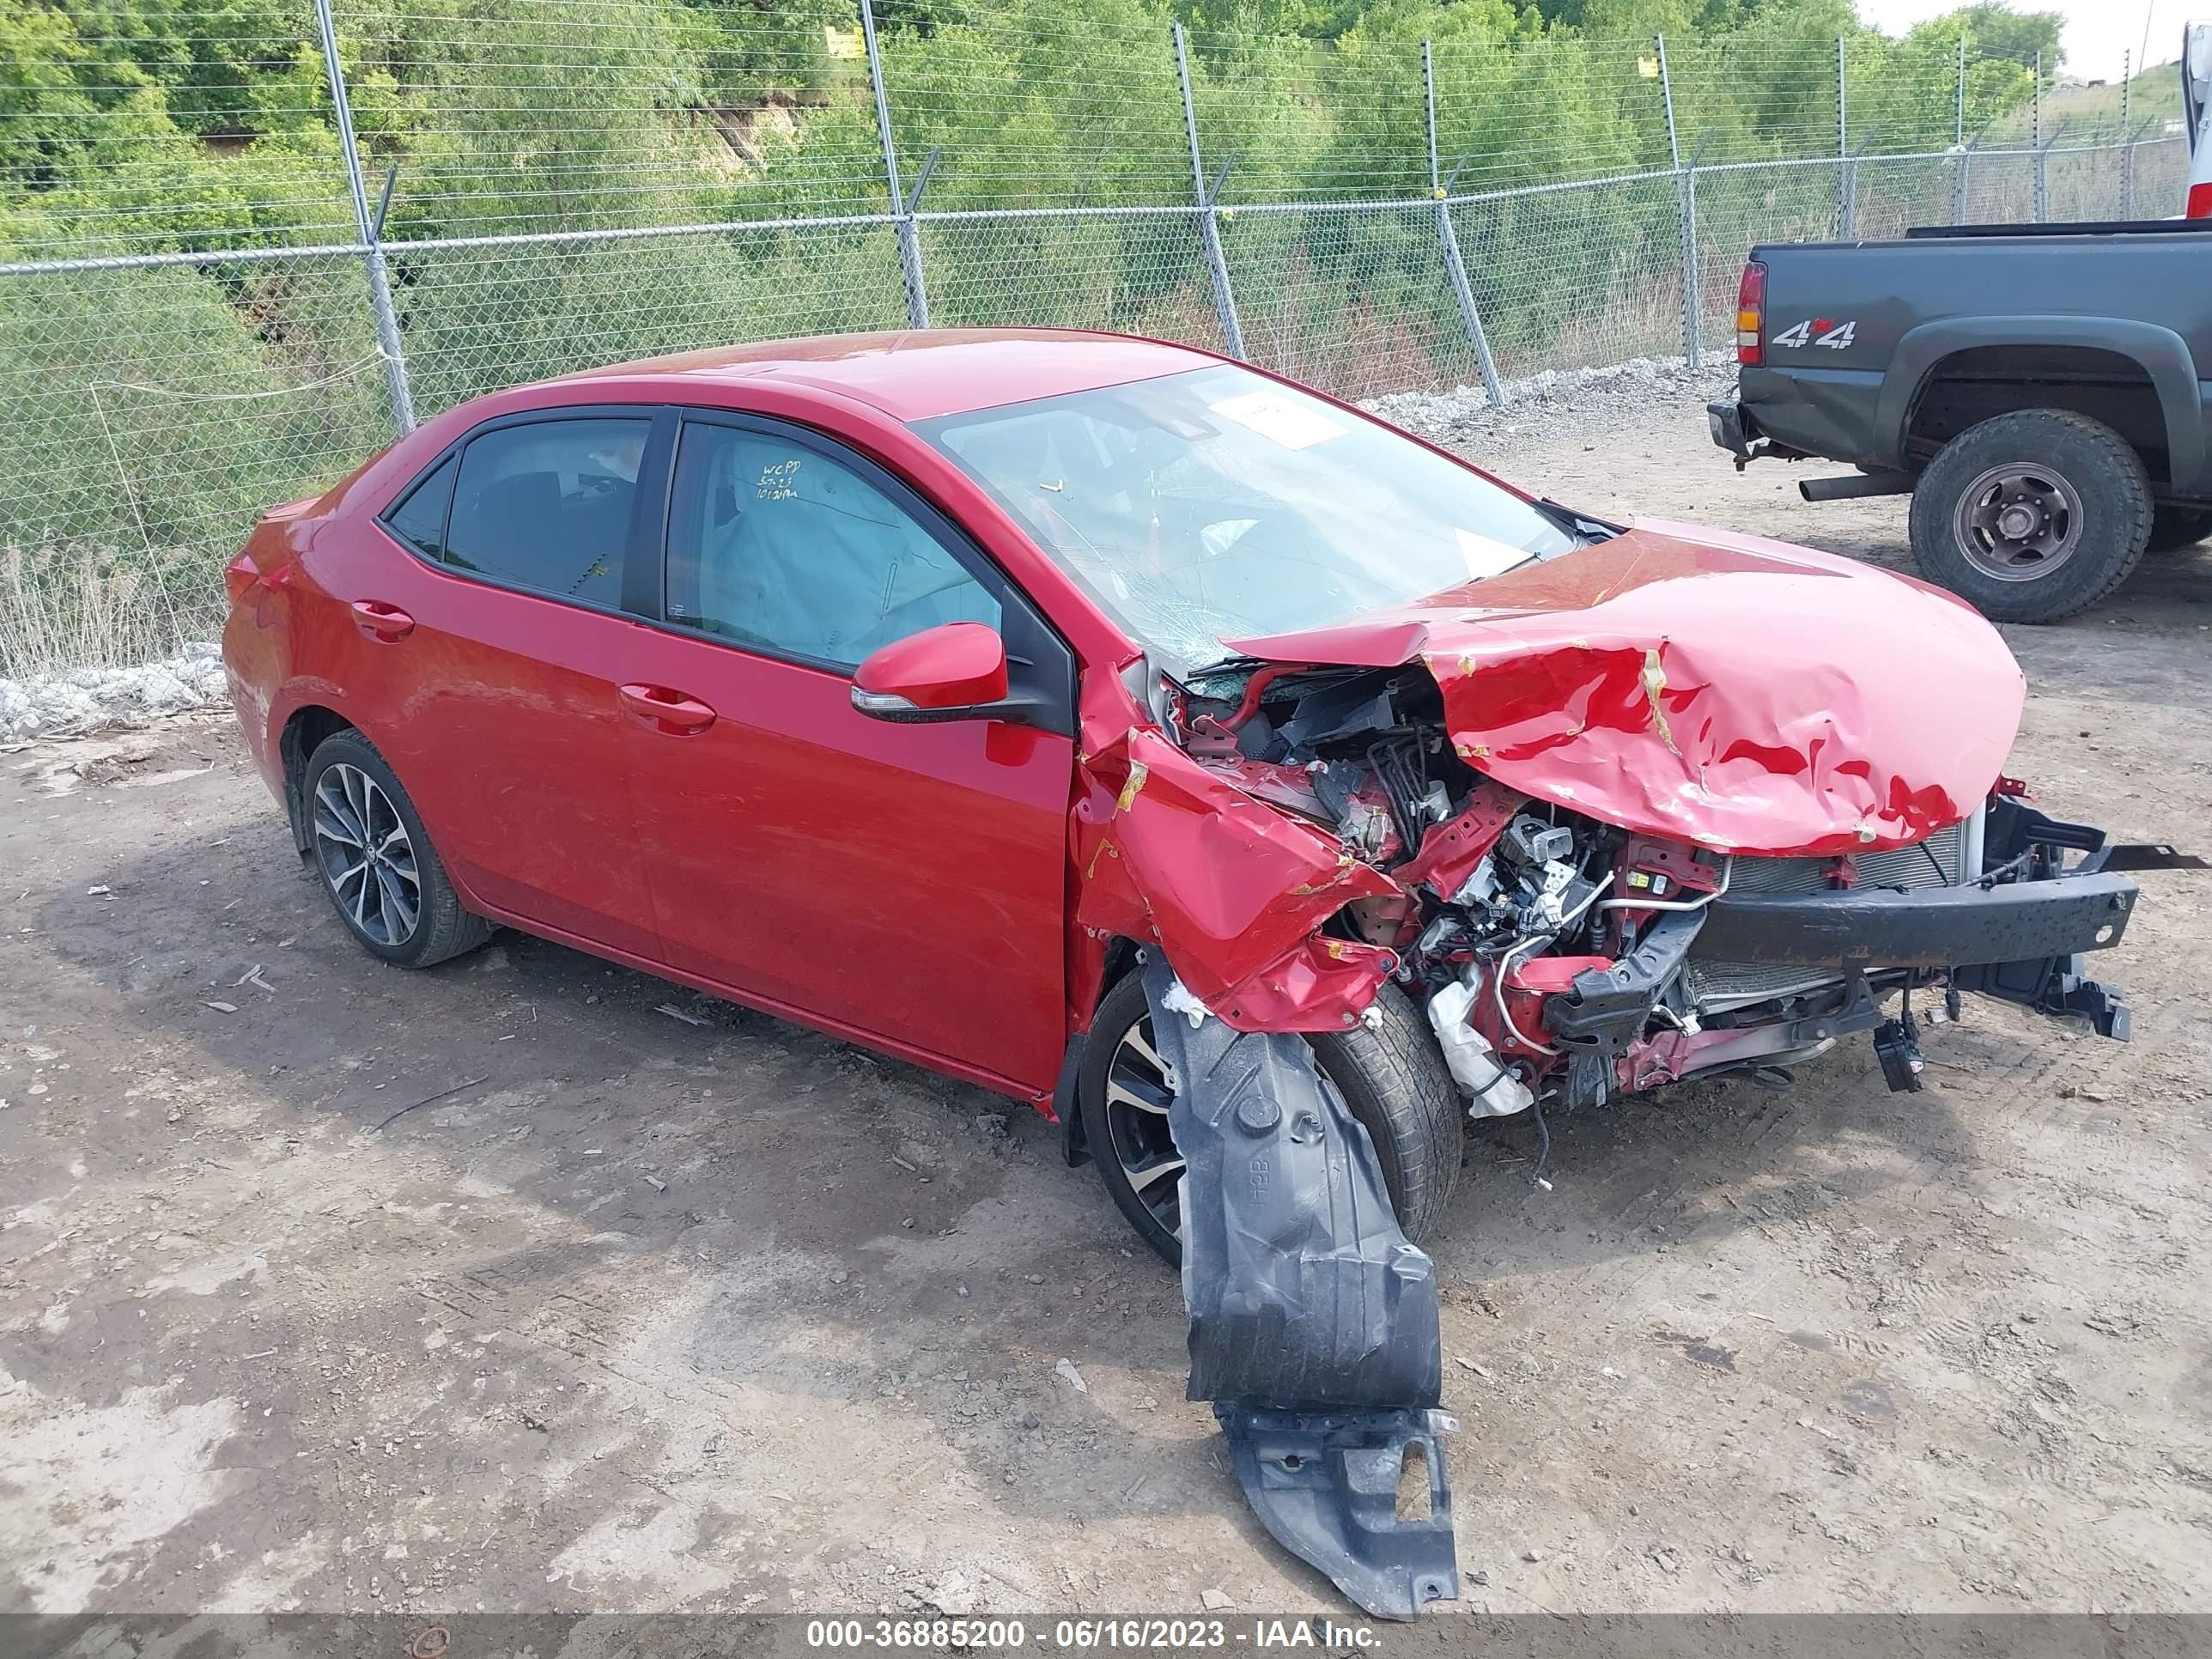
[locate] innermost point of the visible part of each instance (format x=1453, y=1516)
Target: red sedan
x=911, y=686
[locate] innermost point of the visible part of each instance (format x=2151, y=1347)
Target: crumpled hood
x=1741, y=693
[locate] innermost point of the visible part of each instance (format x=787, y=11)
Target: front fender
x=2160, y=353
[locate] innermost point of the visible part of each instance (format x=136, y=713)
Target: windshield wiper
x=1580, y=525
x=1235, y=663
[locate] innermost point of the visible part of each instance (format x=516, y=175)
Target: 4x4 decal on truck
x=1819, y=332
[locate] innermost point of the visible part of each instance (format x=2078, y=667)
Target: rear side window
x=547, y=506
x=420, y=521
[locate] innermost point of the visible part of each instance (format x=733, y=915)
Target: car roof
x=918, y=374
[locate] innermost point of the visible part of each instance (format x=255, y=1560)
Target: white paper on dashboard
x=1485, y=557
x=1276, y=417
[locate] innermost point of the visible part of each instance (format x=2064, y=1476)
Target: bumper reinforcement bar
x=1922, y=928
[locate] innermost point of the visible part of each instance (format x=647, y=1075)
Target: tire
x=349, y=795
x=2076, y=488
x=1391, y=1076
x=2175, y=527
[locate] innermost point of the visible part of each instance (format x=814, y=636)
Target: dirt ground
x=324, y=1286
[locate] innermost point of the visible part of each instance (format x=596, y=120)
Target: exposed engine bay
x=1559, y=956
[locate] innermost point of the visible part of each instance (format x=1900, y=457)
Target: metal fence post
x=1686, y=209
x=372, y=233
x=1959, y=138
x=909, y=233
x=1209, y=224
x=2127, y=136
x=1958, y=102
x=1448, y=239
x=1846, y=174
x=2042, y=208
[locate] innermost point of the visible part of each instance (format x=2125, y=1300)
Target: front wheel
x=1390, y=1075
x=2031, y=516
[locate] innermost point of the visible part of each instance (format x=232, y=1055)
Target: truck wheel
x=2175, y=527
x=1391, y=1075
x=2031, y=516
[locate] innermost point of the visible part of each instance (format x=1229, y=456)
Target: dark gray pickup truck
x=2043, y=391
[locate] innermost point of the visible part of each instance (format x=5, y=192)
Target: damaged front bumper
x=1313, y=1320
x=2017, y=927
x=2023, y=941
x=1921, y=926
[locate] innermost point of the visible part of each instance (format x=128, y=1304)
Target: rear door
x=496, y=654
x=905, y=883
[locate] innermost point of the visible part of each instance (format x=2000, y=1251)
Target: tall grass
x=58, y=616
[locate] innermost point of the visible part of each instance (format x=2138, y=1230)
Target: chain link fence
x=364, y=215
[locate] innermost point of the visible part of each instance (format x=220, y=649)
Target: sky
x=2097, y=31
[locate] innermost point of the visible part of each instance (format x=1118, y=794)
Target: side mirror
x=954, y=672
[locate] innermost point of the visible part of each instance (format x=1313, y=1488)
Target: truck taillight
x=1750, y=308
x=2200, y=201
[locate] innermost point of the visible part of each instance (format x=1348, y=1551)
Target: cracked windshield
x=1219, y=505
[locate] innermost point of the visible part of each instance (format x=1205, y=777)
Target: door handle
x=671, y=711
x=380, y=621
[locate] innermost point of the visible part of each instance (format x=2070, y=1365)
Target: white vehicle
x=2197, y=115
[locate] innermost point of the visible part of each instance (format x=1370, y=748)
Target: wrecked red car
x=1255, y=789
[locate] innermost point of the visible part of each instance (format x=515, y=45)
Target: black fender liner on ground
x=1313, y=1321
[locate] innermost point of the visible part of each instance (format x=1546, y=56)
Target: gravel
x=92, y=699
x=1549, y=403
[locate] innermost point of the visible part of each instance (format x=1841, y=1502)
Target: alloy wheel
x=367, y=856
x=2018, y=522
x=1138, y=1090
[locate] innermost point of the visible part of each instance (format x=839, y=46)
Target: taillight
x=240, y=575
x=2200, y=201
x=1750, y=310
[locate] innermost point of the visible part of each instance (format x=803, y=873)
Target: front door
x=904, y=882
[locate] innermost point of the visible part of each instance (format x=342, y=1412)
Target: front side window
x=547, y=506
x=773, y=543
x=1218, y=504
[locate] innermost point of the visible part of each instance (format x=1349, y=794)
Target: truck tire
x=1391, y=1075
x=2175, y=527
x=2031, y=516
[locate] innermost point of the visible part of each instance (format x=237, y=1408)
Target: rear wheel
x=379, y=869
x=2031, y=516
x=1390, y=1075
x=2174, y=527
